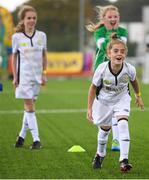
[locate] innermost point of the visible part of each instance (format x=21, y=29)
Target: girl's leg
x=24, y=127
x=102, y=139
x=22, y=134
x=124, y=140
x=115, y=139
x=32, y=121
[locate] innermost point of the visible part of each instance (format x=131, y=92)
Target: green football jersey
x=102, y=32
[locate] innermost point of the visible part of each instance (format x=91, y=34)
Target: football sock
x=115, y=129
x=102, y=142
x=32, y=123
x=124, y=139
x=24, y=126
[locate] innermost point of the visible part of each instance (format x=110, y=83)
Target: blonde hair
x=21, y=15
x=101, y=12
x=116, y=40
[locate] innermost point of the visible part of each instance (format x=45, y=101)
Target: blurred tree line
x=59, y=19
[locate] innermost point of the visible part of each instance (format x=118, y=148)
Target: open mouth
x=118, y=58
x=113, y=23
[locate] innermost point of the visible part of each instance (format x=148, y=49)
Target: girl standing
x=29, y=63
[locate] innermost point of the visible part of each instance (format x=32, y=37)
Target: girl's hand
x=139, y=102
x=15, y=82
x=44, y=79
x=89, y=115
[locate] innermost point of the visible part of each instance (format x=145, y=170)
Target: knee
x=123, y=129
x=103, y=133
x=29, y=106
x=123, y=124
x=105, y=128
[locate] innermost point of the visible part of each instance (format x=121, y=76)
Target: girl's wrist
x=138, y=94
x=44, y=72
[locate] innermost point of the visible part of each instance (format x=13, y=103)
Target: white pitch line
x=52, y=91
x=57, y=111
x=45, y=111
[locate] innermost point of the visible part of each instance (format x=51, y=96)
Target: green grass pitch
x=61, y=113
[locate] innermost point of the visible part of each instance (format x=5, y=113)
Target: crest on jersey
x=107, y=82
x=39, y=42
x=124, y=78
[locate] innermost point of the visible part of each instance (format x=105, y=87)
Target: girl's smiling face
x=117, y=54
x=111, y=19
x=30, y=20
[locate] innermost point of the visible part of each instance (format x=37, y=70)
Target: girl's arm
x=136, y=89
x=14, y=69
x=99, y=37
x=44, y=60
x=99, y=42
x=91, y=96
x=44, y=64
